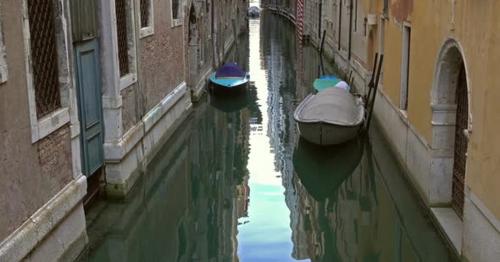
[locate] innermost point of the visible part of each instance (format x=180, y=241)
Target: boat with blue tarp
x=328, y=81
x=230, y=76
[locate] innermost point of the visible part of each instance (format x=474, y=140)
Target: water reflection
x=235, y=183
x=322, y=170
x=267, y=237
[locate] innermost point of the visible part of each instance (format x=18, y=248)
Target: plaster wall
x=28, y=170
x=361, y=34
x=133, y=106
x=482, y=57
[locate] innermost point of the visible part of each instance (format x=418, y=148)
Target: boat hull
x=228, y=84
x=326, y=134
x=330, y=117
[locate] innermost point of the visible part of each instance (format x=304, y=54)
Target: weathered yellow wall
x=475, y=26
x=477, y=30
x=426, y=41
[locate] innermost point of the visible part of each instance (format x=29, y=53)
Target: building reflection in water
x=346, y=203
x=235, y=182
x=187, y=204
x=265, y=234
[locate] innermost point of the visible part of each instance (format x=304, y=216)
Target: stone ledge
x=197, y=91
x=115, y=152
x=451, y=225
x=31, y=233
x=122, y=175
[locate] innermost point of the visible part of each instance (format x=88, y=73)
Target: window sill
x=146, y=31
x=3, y=73
x=451, y=225
x=176, y=22
x=403, y=113
x=127, y=80
x=50, y=123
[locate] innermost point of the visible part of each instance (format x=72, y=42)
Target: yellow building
x=436, y=102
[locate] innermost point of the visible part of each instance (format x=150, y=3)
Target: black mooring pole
x=322, y=68
x=370, y=84
x=322, y=42
x=375, y=88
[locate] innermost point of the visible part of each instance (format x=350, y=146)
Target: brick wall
x=54, y=155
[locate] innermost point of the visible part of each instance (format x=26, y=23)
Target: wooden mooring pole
x=321, y=66
x=373, y=88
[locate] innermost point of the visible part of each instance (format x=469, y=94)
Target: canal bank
x=236, y=183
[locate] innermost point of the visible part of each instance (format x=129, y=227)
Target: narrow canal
x=235, y=182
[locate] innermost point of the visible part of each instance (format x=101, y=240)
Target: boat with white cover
x=330, y=117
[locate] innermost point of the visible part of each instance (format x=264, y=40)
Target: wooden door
x=88, y=83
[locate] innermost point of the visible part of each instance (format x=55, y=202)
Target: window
x=122, y=33
x=146, y=17
x=177, y=12
x=47, y=66
x=3, y=59
x=126, y=43
x=386, y=8
x=44, y=59
x=405, y=67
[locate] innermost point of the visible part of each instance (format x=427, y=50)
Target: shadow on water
x=235, y=182
x=322, y=170
x=235, y=102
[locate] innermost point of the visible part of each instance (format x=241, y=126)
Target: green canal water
x=235, y=182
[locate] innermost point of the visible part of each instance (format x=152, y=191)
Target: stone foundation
x=56, y=231
x=125, y=159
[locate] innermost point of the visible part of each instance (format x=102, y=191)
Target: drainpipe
x=214, y=48
x=340, y=25
x=319, y=18
x=350, y=30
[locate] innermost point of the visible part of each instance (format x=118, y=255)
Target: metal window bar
x=461, y=143
x=175, y=9
x=121, y=28
x=44, y=62
x=386, y=8
x=145, y=7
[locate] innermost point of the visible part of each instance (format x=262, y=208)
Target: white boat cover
x=333, y=106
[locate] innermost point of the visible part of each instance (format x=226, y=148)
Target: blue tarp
x=230, y=70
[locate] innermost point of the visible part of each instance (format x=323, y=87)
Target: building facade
x=436, y=100
x=145, y=92
x=88, y=92
x=440, y=98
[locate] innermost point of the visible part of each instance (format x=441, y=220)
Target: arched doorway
x=451, y=123
x=193, y=46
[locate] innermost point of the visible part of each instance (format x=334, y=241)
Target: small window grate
x=121, y=28
x=44, y=60
x=145, y=13
x=175, y=9
x=461, y=143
